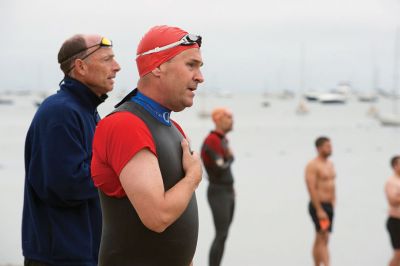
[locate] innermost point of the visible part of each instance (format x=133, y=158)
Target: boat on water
x=332, y=98
x=367, y=97
x=389, y=119
x=6, y=102
x=311, y=96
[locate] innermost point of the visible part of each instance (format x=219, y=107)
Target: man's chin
x=189, y=103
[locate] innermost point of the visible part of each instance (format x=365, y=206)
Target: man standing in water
x=392, y=190
x=217, y=158
x=320, y=179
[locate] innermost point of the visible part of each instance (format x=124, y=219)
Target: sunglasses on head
x=188, y=39
x=103, y=43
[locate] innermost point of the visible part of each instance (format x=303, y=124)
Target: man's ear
x=80, y=67
x=157, y=71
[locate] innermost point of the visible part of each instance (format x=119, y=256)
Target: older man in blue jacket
x=61, y=222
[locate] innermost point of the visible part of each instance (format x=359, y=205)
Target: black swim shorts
x=328, y=208
x=393, y=226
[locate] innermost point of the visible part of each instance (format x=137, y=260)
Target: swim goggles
x=188, y=39
x=105, y=42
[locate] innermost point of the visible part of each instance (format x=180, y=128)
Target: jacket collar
x=82, y=92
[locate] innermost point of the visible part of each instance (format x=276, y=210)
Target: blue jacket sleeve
x=64, y=178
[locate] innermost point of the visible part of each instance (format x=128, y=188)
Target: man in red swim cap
x=142, y=163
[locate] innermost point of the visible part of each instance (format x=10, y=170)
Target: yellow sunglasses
x=105, y=42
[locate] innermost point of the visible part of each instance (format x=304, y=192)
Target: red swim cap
x=159, y=36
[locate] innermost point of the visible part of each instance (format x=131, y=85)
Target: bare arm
x=142, y=181
x=334, y=196
x=311, y=181
x=392, y=194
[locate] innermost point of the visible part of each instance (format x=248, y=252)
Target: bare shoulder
x=390, y=181
x=312, y=164
x=311, y=171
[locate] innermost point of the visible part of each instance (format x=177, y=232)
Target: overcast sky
x=247, y=45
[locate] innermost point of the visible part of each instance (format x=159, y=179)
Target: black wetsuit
x=125, y=240
x=220, y=194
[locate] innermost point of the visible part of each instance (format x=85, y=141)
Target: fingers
x=186, y=146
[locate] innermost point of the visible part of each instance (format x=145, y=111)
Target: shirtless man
x=320, y=179
x=392, y=189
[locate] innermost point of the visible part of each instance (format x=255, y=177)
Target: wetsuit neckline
x=159, y=112
x=221, y=135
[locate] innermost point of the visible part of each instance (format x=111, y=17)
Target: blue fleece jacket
x=61, y=223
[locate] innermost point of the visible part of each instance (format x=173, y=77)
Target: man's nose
x=117, y=67
x=199, y=77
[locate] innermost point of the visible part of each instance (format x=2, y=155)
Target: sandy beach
x=272, y=145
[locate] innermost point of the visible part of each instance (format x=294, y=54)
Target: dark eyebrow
x=199, y=62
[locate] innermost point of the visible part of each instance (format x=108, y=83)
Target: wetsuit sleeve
x=63, y=178
x=214, y=150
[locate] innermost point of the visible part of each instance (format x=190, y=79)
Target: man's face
x=226, y=121
x=180, y=77
x=101, y=70
x=325, y=149
x=396, y=167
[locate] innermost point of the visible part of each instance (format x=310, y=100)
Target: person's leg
x=222, y=214
x=395, y=261
x=232, y=207
x=320, y=249
x=393, y=227
x=316, y=249
x=324, y=249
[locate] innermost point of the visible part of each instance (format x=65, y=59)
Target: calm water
x=272, y=146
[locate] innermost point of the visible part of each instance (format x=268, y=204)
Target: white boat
x=367, y=97
x=343, y=88
x=389, y=119
x=311, y=95
x=332, y=98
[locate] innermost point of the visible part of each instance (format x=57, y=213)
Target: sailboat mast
x=396, y=68
x=375, y=71
x=302, y=68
